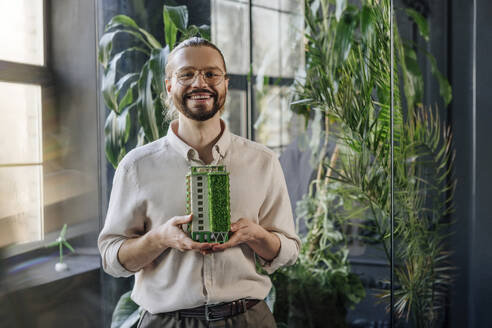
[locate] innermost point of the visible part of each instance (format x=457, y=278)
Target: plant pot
x=59, y=267
x=311, y=305
x=305, y=302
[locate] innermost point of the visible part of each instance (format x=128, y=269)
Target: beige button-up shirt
x=149, y=189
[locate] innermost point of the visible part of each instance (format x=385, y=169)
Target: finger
x=199, y=246
x=182, y=219
x=236, y=226
x=239, y=224
x=228, y=244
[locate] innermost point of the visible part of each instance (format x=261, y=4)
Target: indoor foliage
x=141, y=92
x=143, y=89
x=346, y=93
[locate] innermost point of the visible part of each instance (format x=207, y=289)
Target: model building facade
x=208, y=198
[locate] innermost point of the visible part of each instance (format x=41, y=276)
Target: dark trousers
x=259, y=316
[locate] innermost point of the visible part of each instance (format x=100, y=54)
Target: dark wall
x=470, y=51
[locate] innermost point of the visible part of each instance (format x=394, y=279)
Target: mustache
x=200, y=91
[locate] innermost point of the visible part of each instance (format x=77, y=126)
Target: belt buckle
x=208, y=311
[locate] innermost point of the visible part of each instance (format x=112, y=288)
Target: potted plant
x=346, y=94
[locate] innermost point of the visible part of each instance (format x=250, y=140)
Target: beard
x=199, y=115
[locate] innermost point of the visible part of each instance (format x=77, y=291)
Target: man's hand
x=261, y=241
x=172, y=235
x=136, y=253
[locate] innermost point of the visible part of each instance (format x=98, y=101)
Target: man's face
x=198, y=101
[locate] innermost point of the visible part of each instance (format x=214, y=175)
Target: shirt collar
x=219, y=150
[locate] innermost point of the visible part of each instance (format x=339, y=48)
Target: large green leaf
x=123, y=21
x=150, y=110
x=157, y=65
x=178, y=15
x=111, y=89
x=413, y=83
x=117, y=131
x=125, y=312
x=445, y=89
x=105, y=47
x=128, y=100
x=170, y=29
x=420, y=21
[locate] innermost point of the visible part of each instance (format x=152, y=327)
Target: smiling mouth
x=199, y=96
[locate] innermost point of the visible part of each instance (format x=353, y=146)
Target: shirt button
x=191, y=154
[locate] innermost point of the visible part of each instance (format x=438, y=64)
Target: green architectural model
x=207, y=197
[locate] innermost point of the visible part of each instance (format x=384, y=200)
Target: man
x=180, y=282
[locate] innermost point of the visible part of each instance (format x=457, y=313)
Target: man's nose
x=199, y=81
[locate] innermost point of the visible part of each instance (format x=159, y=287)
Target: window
x=271, y=38
x=48, y=131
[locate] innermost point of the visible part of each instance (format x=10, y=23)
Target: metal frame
x=392, y=214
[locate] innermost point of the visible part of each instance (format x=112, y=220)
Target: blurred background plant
x=136, y=98
x=346, y=96
x=139, y=92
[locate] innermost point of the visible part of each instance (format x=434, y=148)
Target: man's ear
x=168, y=86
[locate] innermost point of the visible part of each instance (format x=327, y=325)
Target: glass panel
x=275, y=124
x=292, y=45
x=277, y=43
x=424, y=171
x=235, y=112
x=266, y=42
x=21, y=31
x=230, y=33
x=343, y=212
x=20, y=127
x=272, y=4
x=20, y=204
x=294, y=6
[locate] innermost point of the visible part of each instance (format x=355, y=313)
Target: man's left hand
x=263, y=242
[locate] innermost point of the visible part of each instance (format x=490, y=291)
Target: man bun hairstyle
x=195, y=41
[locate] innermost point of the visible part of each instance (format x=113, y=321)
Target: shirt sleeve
x=276, y=216
x=124, y=220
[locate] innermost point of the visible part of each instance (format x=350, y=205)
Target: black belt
x=218, y=311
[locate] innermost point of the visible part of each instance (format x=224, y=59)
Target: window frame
x=42, y=76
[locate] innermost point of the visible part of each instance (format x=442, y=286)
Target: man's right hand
x=136, y=253
x=172, y=235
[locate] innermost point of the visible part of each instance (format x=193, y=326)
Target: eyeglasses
x=211, y=76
